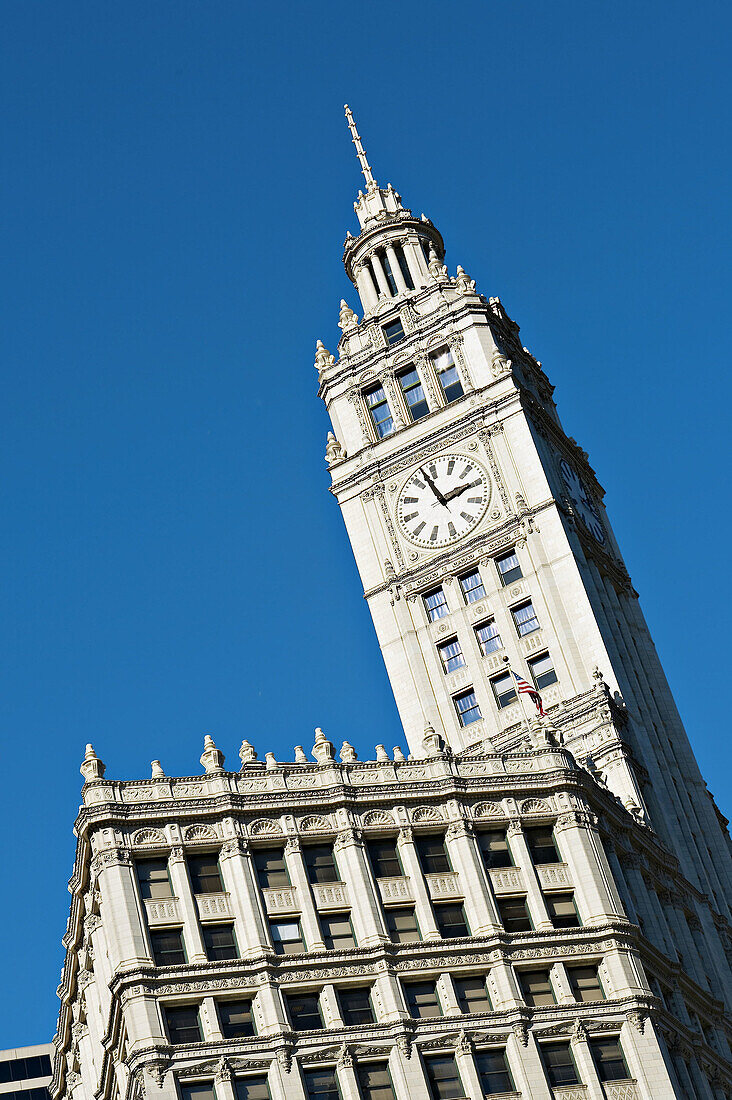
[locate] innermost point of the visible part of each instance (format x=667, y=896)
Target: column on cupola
x=366, y=913
x=365, y=286
x=522, y=858
x=582, y=851
x=180, y=882
x=239, y=879
x=413, y=868
x=299, y=879
x=378, y=270
x=480, y=908
x=396, y=269
x=415, y=261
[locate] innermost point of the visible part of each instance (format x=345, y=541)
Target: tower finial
x=368, y=175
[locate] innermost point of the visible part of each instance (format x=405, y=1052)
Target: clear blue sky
x=177, y=180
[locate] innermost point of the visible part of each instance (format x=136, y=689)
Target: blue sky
x=176, y=183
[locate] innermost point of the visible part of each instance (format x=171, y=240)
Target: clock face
x=443, y=500
x=582, y=502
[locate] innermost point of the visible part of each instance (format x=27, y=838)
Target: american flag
x=525, y=688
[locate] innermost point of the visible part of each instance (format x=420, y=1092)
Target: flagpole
x=514, y=684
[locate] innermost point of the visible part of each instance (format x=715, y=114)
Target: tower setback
x=536, y=902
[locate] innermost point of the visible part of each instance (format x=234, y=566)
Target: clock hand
x=432, y=486
x=461, y=489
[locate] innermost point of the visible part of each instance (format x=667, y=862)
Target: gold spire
x=368, y=175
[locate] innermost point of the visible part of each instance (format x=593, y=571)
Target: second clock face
x=443, y=500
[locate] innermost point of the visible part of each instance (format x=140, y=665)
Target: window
x=411, y=385
x=356, y=1006
x=422, y=1000
x=374, y=1081
x=384, y=858
x=472, y=995
x=403, y=266
x=504, y=690
x=432, y=854
x=271, y=869
x=251, y=1088
x=514, y=914
x=320, y=1084
x=202, y=1090
x=236, y=1019
x=402, y=925
x=542, y=671
x=536, y=987
x=466, y=707
x=541, y=844
x=609, y=1060
x=379, y=411
x=337, y=932
x=152, y=875
x=585, y=983
x=472, y=587
x=508, y=568
x=451, y=655
x=182, y=1024
x=559, y=1064
x=562, y=910
x=435, y=604
x=388, y=273
x=443, y=1077
x=525, y=618
x=25, y=1069
x=167, y=946
x=219, y=942
x=320, y=863
x=494, y=849
x=286, y=936
x=304, y=1011
x=447, y=375
x=488, y=637
x=451, y=921
x=493, y=1071
x=205, y=874
x=394, y=332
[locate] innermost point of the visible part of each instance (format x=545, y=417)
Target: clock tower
x=481, y=537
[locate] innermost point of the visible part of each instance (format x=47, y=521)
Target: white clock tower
x=480, y=535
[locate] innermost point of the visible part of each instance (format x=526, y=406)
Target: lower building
x=25, y=1072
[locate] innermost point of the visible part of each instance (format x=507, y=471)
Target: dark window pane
x=202, y=1090
x=467, y=708
x=514, y=914
x=536, y=987
x=451, y=921
x=320, y=1084
x=609, y=1059
x=167, y=946
x=504, y=689
x=304, y=1011
x=286, y=937
x=472, y=995
x=542, y=671
x=404, y=266
x=271, y=868
x=219, y=942
x=414, y=397
x=525, y=619
x=422, y=999
x=251, y=1088
x=494, y=1072
x=386, y=268
x=402, y=925
x=562, y=911
x=236, y=1019
x=444, y=1079
x=152, y=875
x=393, y=332
x=488, y=637
x=204, y=872
x=182, y=1024
x=384, y=858
x=541, y=845
x=432, y=854
x=374, y=1081
x=451, y=655
x=448, y=376
x=494, y=849
x=472, y=587
x=337, y=932
x=435, y=604
x=320, y=863
x=508, y=568
x=559, y=1064
x=585, y=982
x=356, y=1006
